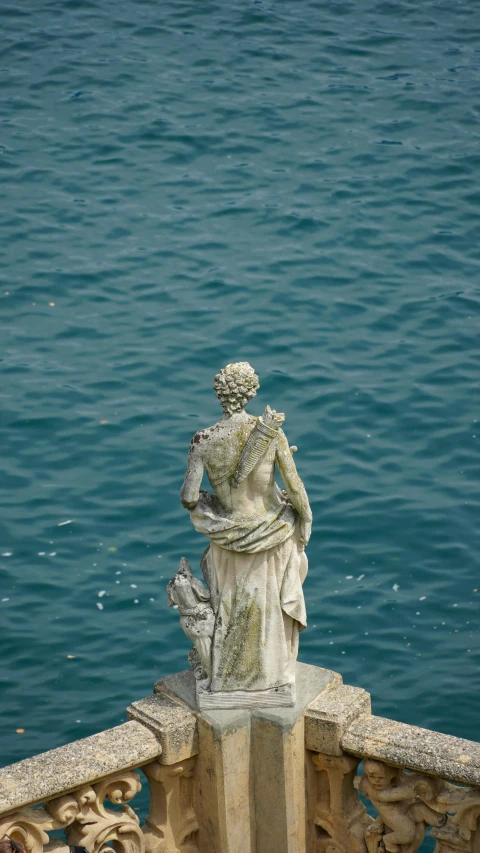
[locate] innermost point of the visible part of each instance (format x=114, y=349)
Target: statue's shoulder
x=200, y=438
x=205, y=435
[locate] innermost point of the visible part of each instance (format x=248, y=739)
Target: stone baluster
x=339, y=818
x=171, y=824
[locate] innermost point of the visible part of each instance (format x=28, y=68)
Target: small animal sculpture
x=196, y=616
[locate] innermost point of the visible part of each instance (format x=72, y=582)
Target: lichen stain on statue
x=245, y=626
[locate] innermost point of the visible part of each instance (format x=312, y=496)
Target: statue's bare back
x=217, y=449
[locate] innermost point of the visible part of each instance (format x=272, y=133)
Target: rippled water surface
x=185, y=184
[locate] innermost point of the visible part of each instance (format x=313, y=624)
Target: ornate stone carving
x=339, y=817
x=94, y=825
x=196, y=617
x=461, y=833
x=407, y=803
x=88, y=823
x=246, y=637
x=30, y=827
x=171, y=823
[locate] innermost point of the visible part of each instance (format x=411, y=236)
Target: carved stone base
x=278, y=697
x=249, y=776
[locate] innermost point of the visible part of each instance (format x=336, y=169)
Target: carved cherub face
x=379, y=775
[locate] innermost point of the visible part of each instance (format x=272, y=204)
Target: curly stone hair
x=235, y=385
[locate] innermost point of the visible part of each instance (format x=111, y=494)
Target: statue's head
x=380, y=775
x=235, y=385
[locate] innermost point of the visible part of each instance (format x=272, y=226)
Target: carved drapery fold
x=171, y=823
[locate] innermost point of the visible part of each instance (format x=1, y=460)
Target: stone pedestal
x=249, y=776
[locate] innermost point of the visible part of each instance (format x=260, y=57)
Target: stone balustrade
x=264, y=781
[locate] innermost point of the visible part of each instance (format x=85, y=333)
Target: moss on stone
x=239, y=660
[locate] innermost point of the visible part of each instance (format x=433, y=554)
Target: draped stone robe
x=254, y=568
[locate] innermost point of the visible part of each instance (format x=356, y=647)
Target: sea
x=189, y=183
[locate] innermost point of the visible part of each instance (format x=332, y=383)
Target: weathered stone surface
x=249, y=777
x=278, y=763
x=327, y=717
x=310, y=681
x=407, y=746
x=224, y=795
x=171, y=825
x=181, y=687
x=278, y=758
x=278, y=697
x=245, y=626
x=336, y=818
x=85, y=815
x=173, y=724
x=61, y=770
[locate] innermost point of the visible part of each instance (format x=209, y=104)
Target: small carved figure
x=196, y=616
x=398, y=798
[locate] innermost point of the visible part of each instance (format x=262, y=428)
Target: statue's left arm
x=190, y=491
x=294, y=486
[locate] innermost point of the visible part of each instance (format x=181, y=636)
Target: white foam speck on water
x=395, y=587
x=7, y=554
x=349, y=577
x=135, y=601
x=99, y=605
x=133, y=585
x=118, y=573
x=152, y=599
x=360, y=577
x=422, y=598
x=101, y=593
x=52, y=554
x=5, y=599
x=63, y=523
x=117, y=581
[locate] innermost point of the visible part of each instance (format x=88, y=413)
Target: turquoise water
x=184, y=184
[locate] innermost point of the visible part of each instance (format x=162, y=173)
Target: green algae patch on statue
x=245, y=623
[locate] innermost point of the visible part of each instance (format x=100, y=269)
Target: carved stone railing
x=70, y=788
x=407, y=777
x=282, y=781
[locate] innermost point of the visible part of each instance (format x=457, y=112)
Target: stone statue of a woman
x=255, y=564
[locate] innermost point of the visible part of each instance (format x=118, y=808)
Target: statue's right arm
x=190, y=491
x=294, y=486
